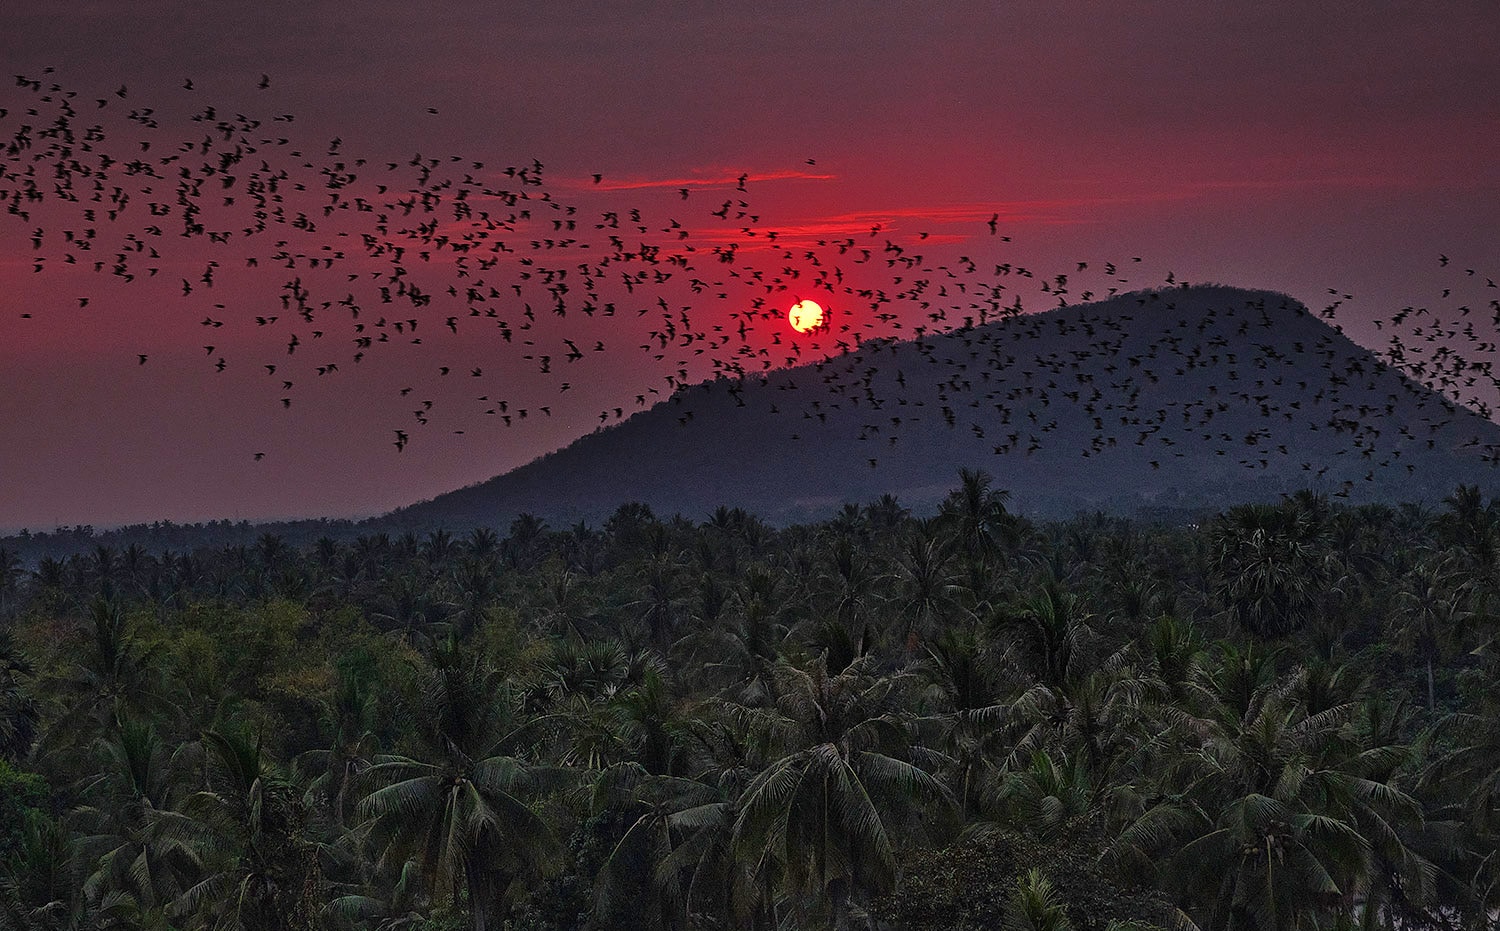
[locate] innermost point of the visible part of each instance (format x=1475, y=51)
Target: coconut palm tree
x=1043, y=795
x=848, y=594
x=886, y=514
x=1472, y=526
x=974, y=724
x=439, y=548
x=1432, y=611
x=975, y=513
x=1172, y=651
x=582, y=549
x=841, y=775
x=132, y=838
x=1460, y=776
x=482, y=542
x=406, y=607
x=523, y=546
x=928, y=593
x=660, y=604
x=333, y=771
x=114, y=677
x=1271, y=822
x=39, y=884
x=463, y=811
x=668, y=847
x=389, y=900
x=1050, y=629
x=475, y=586
x=250, y=830
x=10, y=577
x=1035, y=906
x=19, y=713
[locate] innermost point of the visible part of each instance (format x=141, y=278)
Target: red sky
x=1301, y=148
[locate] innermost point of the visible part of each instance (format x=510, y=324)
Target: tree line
x=1282, y=716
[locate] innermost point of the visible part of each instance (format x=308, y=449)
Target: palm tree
x=482, y=543
x=407, y=605
x=928, y=592
x=591, y=670
x=852, y=584
x=660, y=601
x=738, y=656
x=10, y=576
x=325, y=552
x=476, y=586
x=388, y=900
x=1173, y=655
x=352, y=747
x=976, y=513
x=842, y=774
x=115, y=677
x=1043, y=796
x=721, y=540
x=39, y=887
x=523, y=545
x=582, y=549
x=102, y=569
x=1472, y=526
x=1433, y=608
x=1271, y=823
x=668, y=846
x=439, y=547
x=1268, y=566
x=1049, y=628
x=50, y=582
x=462, y=812
x=604, y=706
x=1035, y=906
x=251, y=833
x=19, y=714
x=569, y=601
x=1460, y=774
x=968, y=706
x=134, y=841
x=886, y=514
x=271, y=551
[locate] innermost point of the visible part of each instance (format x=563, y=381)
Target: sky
x=1332, y=151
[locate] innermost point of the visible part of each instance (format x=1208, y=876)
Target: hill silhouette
x=1186, y=398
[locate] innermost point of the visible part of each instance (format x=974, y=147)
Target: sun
x=805, y=315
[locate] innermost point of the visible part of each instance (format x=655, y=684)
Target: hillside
x=1180, y=399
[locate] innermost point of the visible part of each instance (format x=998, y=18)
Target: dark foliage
x=1280, y=717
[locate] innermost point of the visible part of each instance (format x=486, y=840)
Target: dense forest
x=1282, y=716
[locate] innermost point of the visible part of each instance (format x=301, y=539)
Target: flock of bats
x=305, y=261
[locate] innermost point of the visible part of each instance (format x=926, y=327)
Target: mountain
x=1187, y=398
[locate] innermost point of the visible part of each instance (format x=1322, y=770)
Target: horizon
x=559, y=469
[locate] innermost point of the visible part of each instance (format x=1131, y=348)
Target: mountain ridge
x=1190, y=397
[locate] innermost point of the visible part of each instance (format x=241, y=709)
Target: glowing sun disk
x=805, y=315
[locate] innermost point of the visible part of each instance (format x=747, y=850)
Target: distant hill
x=1189, y=398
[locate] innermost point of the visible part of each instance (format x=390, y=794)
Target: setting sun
x=805, y=315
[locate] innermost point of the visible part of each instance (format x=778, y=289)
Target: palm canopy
x=1273, y=821
x=841, y=774
x=463, y=812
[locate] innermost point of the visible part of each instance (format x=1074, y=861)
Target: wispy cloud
x=708, y=179
x=911, y=221
x=1184, y=188
x=1287, y=184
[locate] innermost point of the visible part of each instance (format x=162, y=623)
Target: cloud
x=708, y=179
